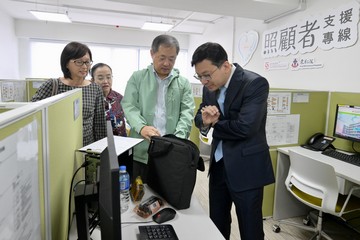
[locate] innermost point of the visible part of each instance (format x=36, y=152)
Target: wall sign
x=336, y=28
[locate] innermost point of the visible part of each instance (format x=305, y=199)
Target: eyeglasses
x=80, y=63
x=101, y=78
x=206, y=77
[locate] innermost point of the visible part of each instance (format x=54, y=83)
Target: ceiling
x=187, y=16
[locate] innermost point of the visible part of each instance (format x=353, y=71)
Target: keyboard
x=155, y=232
x=352, y=159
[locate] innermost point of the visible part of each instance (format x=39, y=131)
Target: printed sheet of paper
x=279, y=103
x=282, y=129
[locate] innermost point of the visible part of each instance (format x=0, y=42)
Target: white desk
x=285, y=205
x=189, y=224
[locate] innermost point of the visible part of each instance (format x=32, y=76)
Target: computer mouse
x=164, y=215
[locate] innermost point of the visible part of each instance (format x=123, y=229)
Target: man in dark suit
x=240, y=164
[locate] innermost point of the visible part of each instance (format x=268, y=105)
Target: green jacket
x=139, y=106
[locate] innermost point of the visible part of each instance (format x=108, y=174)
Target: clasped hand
x=210, y=115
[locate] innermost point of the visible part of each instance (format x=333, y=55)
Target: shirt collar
x=232, y=73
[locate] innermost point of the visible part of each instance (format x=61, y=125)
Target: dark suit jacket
x=242, y=129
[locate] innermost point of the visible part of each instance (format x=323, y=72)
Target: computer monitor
x=347, y=122
x=109, y=191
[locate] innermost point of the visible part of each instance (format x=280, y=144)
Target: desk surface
x=189, y=224
x=342, y=169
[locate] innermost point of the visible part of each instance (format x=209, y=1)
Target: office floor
x=331, y=226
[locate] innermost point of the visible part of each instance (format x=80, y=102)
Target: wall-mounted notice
x=301, y=97
x=282, y=129
x=12, y=91
x=7, y=91
x=197, y=89
x=279, y=103
x=19, y=188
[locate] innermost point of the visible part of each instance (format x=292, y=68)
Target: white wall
x=8, y=48
x=222, y=32
x=341, y=71
x=341, y=67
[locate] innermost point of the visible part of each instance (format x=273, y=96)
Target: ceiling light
x=156, y=26
x=51, y=16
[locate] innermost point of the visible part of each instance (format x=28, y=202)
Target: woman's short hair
x=72, y=50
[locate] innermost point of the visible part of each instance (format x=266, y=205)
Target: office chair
x=205, y=144
x=315, y=184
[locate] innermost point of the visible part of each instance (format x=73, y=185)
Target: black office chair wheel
x=276, y=228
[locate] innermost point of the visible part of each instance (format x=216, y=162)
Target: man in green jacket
x=157, y=101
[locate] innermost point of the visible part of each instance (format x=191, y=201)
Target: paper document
x=122, y=144
x=282, y=129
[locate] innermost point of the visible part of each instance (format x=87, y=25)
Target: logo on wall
x=305, y=63
x=248, y=42
x=295, y=63
x=276, y=65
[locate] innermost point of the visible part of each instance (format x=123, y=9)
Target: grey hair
x=165, y=40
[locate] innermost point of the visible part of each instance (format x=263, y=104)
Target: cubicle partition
x=293, y=116
x=22, y=189
x=13, y=90
x=53, y=127
x=19, y=90
x=32, y=85
x=194, y=134
x=64, y=136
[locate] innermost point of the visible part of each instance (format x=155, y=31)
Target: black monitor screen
x=347, y=122
x=109, y=193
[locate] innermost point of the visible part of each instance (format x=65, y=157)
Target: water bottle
x=124, y=180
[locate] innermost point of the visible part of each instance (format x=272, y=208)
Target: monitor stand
x=84, y=195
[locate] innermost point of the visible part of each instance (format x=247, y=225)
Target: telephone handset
x=319, y=142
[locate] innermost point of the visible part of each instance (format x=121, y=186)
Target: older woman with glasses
x=76, y=60
x=101, y=74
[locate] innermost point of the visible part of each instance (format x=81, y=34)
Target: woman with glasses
x=101, y=74
x=76, y=60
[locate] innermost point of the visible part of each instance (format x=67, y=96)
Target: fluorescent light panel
x=51, y=16
x=156, y=26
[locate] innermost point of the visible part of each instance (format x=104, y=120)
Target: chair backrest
x=313, y=178
x=208, y=138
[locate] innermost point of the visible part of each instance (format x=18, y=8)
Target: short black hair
x=96, y=66
x=213, y=52
x=165, y=40
x=72, y=50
